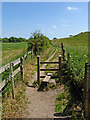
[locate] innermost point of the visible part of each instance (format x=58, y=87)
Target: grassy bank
x=77, y=46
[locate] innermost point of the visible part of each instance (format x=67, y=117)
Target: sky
x=53, y=19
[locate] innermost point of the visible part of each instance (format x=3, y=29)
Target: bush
x=38, y=42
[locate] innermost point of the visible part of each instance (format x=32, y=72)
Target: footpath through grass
x=16, y=108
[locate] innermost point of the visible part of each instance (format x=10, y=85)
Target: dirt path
x=41, y=104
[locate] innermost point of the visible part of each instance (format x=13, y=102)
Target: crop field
x=12, y=51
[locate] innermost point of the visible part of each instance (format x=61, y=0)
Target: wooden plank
x=29, y=52
x=5, y=67
x=49, y=62
x=16, y=71
x=52, y=77
x=49, y=69
x=15, y=62
x=48, y=77
x=25, y=56
x=2, y=84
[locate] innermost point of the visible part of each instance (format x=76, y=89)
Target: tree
x=38, y=42
x=5, y=39
x=14, y=39
x=54, y=38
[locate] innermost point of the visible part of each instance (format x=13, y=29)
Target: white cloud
x=72, y=8
x=54, y=26
x=65, y=25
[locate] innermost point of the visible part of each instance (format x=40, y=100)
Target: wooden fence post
x=27, y=55
x=21, y=67
x=32, y=54
x=63, y=54
x=38, y=69
x=12, y=81
x=68, y=60
x=6, y=78
x=62, y=46
x=87, y=91
x=59, y=67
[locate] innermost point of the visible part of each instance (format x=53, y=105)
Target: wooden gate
x=38, y=68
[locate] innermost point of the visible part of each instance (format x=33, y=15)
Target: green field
x=77, y=46
x=12, y=51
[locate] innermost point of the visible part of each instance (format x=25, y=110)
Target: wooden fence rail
x=11, y=65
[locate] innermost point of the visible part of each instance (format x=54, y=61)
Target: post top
x=59, y=55
x=88, y=64
x=38, y=55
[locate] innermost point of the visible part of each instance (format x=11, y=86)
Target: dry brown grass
x=12, y=108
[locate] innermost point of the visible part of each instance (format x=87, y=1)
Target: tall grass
x=77, y=46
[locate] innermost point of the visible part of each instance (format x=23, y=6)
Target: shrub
x=38, y=42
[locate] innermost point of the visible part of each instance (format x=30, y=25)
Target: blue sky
x=53, y=19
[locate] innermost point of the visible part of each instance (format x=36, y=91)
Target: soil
x=41, y=104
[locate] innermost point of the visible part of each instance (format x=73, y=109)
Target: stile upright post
x=38, y=69
x=12, y=81
x=59, y=67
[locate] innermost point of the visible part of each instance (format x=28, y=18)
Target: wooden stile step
x=48, y=77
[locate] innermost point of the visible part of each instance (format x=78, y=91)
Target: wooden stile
x=49, y=62
x=47, y=77
x=49, y=69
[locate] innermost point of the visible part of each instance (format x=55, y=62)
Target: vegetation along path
x=41, y=104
